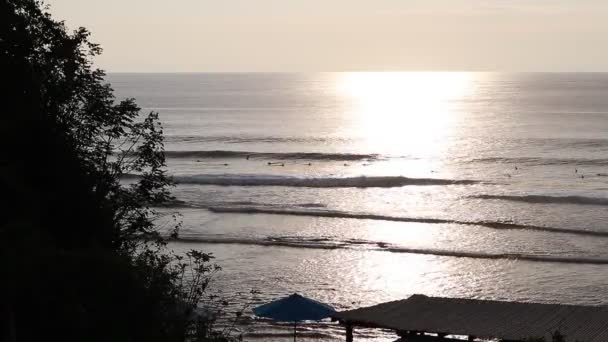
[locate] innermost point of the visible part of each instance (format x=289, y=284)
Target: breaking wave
x=312, y=243
x=510, y=256
x=365, y=216
x=582, y=200
x=218, y=204
x=328, y=244
x=254, y=139
x=222, y=154
x=318, y=182
x=537, y=161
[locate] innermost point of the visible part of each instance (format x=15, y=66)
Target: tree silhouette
x=80, y=253
x=77, y=133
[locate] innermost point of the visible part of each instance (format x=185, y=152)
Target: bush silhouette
x=81, y=255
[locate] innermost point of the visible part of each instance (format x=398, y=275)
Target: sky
x=343, y=35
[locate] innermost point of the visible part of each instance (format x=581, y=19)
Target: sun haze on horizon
x=343, y=35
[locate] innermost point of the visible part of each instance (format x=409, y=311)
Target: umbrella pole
x=294, y=330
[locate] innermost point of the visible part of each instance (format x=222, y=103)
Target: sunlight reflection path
x=402, y=114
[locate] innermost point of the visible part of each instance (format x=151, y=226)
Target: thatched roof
x=484, y=318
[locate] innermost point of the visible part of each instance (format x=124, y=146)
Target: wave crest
x=365, y=216
x=317, y=182
x=582, y=200
x=256, y=139
x=537, y=161
x=223, y=154
x=328, y=244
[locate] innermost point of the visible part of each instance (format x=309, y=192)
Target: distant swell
x=511, y=256
x=320, y=182
x=255, y=139
x=216, y=204
x=316, y=244
x=548, y=199
x=536, y=161
x=262, y=242
x=221, y=154
x=364, y=216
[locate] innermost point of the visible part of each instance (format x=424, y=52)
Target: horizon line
x=357, y=71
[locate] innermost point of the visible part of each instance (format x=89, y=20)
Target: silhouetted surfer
x=247, y=157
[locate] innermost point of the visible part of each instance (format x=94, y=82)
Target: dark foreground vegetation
x=80, y=253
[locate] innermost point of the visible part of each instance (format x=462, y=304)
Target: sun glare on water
x=403, y=113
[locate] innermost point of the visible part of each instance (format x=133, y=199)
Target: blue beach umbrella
x=293, y=309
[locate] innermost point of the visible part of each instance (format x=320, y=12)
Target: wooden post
x=349, y=333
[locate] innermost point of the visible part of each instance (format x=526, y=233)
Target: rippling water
x=358, y=188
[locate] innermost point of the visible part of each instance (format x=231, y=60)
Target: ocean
x=360, y=188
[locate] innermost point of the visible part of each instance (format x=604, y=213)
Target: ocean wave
x=559, y=143
x=222, y=154
x=214, y=204
x=318, y=182
x=328, y=244
x=537, y=161
x=584, y=143
x=509, y=256
x=582, y=200
x=366, y=216
x=254, y=139
x=262, y=242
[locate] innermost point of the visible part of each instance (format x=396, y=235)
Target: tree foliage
x=81, y=255
x=101, y=139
